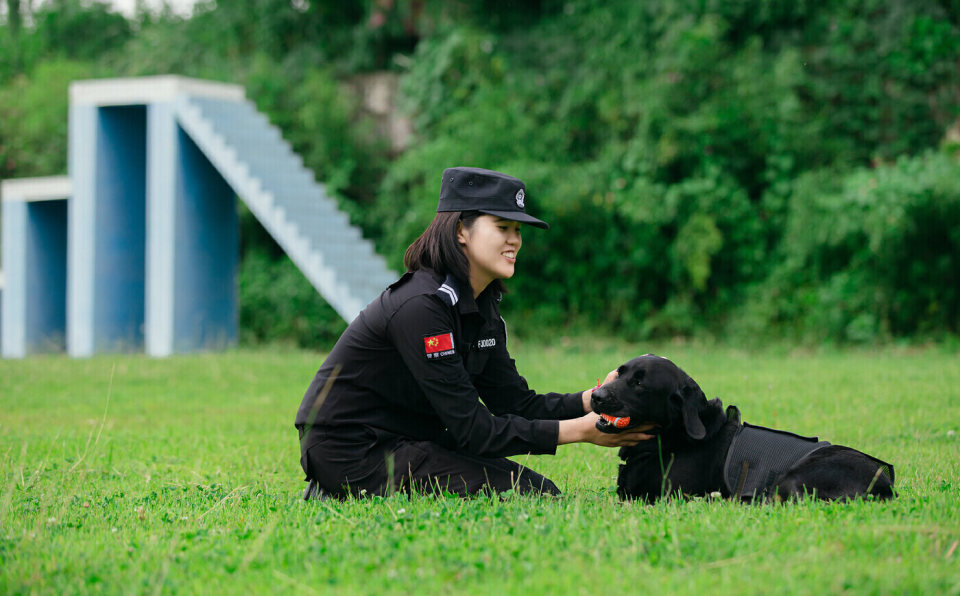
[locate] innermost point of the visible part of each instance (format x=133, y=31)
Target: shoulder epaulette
x=449, y=290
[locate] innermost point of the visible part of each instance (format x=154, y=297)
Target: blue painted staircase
x=294, y=208
x=137, y=248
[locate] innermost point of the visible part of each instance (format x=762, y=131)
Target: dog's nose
x=601, y=395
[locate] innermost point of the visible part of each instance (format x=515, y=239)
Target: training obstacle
x=138, y=252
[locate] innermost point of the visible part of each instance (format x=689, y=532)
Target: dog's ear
x=691, y=398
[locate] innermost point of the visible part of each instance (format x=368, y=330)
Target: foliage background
x=747, y=170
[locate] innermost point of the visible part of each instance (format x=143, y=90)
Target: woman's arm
x=504, y=391
x=447, y=393
x=584, y=430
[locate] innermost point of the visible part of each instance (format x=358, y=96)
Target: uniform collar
x=451, y=291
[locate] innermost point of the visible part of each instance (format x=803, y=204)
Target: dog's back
x=837, y=472
x=695, y=435
x=744, y=466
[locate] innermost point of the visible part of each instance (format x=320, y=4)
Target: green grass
x=131, y=475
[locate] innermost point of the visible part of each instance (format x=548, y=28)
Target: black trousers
x=360, y=460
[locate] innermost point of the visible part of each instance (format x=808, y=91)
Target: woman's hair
x=438, y=248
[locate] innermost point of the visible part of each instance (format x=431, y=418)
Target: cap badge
x=520, y=196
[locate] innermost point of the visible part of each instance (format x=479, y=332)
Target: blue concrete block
x=81, y=222
x=121, y=229
x=192, y=244
x=46, y=308
x=14, y=313
x=34, y=260
x=107, y=229
x=207, y=255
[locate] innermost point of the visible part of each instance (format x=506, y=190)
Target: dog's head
x=651, y=390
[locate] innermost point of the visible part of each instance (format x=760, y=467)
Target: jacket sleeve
x=447, y=387
x=504, y=391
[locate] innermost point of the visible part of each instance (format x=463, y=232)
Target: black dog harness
x=758, y=456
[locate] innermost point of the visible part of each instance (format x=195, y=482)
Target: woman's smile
x=491, y=245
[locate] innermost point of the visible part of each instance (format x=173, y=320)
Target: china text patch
x=437, y=346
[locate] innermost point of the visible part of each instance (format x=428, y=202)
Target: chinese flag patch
x=437, y=346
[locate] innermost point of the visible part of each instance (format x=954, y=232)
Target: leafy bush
x=33, y=110
x=59, y=30
x=707, y=166
x=871, y=255
x=278, y=305
x=883, y=76
x=662, y=144
x=80, y=30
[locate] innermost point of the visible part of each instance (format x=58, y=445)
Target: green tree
x=33, y=110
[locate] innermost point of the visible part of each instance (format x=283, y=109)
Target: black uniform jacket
x=398, y=369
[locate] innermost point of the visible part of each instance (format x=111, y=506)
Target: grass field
x=125, y=474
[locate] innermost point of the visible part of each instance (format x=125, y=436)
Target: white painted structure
x=33, y=310
x=147, y=241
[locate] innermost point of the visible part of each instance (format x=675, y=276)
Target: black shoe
x=314, y=492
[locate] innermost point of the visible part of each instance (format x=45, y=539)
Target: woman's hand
x=589, y=392
x=584, y=430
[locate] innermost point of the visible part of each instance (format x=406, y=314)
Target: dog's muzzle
x=604, y=403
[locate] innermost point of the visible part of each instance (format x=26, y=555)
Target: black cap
x=486, y=191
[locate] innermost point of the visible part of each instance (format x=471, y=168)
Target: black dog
x=702, y=449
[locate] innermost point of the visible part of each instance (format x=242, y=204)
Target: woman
x=397, y=403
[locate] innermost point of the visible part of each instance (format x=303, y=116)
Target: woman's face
x=491, y=246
